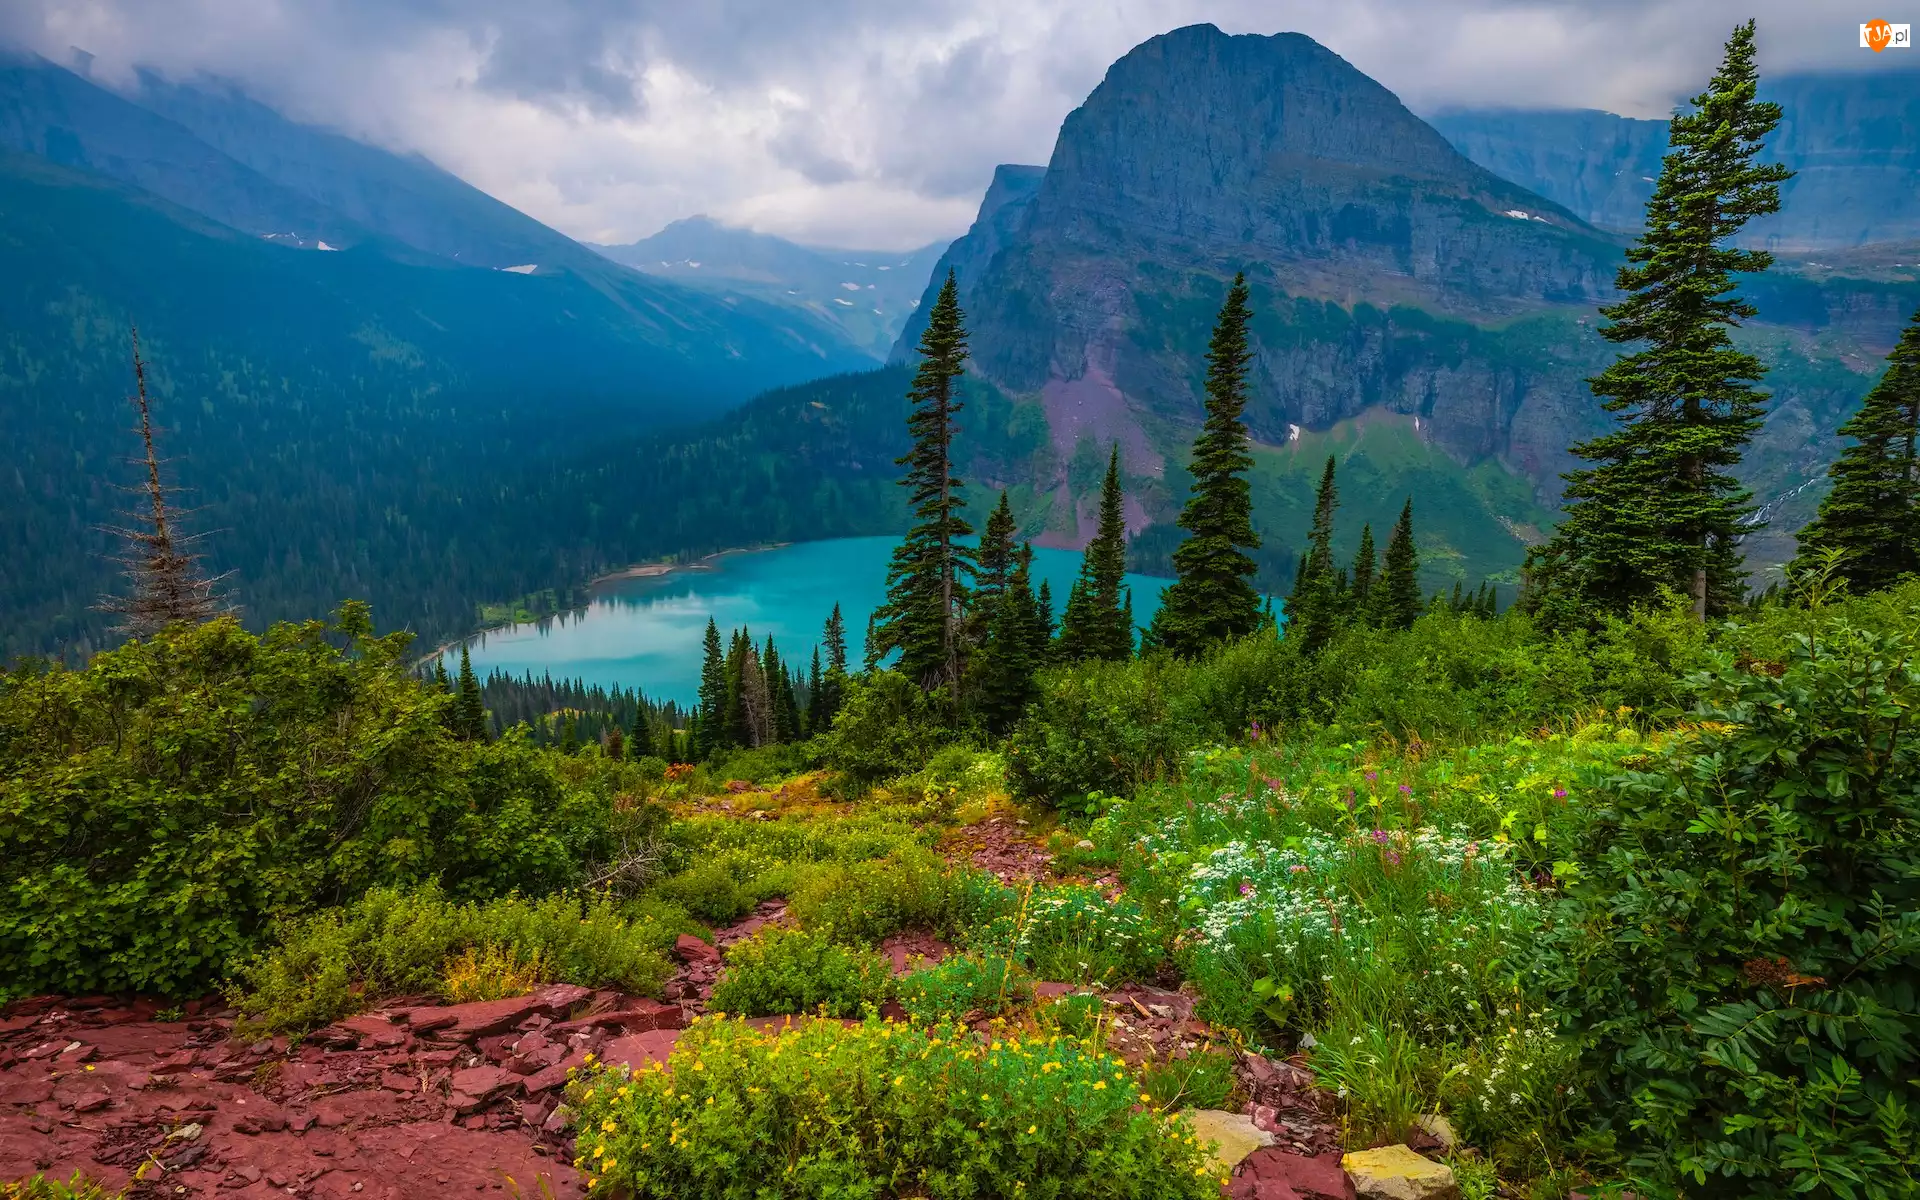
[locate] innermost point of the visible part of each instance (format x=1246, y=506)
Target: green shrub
x=867, y=901
x=708, y=891
x=161, y=807
x=886, y=727
x=1101, y=727
x=966, y=987
x=1199, y=1078
x=1742, y=941
x=390, y=942
x=880, y=1110
x=795, y=971
x=766, y=764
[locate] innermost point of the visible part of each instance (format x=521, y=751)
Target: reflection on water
x=647, y=632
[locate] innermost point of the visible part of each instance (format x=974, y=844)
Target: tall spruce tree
x=713, y=695
x=470, y=710
x=1872, y=515
x=1317, y=591
x=817, y=717
x=640, y=739
x=1397, y=594
x=784, y=719
x=996, y=552
x=926, y=588
x=1097, y=624
x=739, y=722
x=1015, y=643
x=1661, y=506
x=833, y=679
x=1365, y=564
x=1212, y=598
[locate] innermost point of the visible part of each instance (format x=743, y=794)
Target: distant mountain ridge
x=1853, y=140
x=865, y=296
x=344, y=414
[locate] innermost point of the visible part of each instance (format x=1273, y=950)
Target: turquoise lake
x=646, y=632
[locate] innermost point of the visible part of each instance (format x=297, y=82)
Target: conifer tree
x=832, y=689
x=817, y=718
x=756, y=699
x=926, y=588
x=640, y=742
x=168, y=583
x=1043, y=611
x=1660, y=506
x=1096, y=625
x=996, y=553
x=1015, y=642
x=441, y=682
x=783, y=720
x=1397, y=594
x=470, y=709
x=713, y=696
x=1317, y=591
x=1365, y=562
x=871, y=650
x=693, y=741
x=1212, y=599
x=739, y=723
x=1872, y=515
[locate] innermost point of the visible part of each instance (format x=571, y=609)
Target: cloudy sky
x=869, y=123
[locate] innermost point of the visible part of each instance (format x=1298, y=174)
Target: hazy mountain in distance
x=1853, y=139
x=866, y=295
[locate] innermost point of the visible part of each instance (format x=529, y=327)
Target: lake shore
x=659, y=567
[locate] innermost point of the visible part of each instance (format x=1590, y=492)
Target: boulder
x=1308, y=1177
x=1397, y=1173
x=1234, y=1135
x=475, y=1086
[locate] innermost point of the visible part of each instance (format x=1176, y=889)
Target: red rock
x=465, y=1022
x=92, y=1101
x=639, y=1049
x=545, y=1080
x=180, y=1060
x=26, y=1091
x=639, y=1016
x=1053, y=991
x=692, y=950
x=484, y=1082
x=16, y=1024
x=1315, y=1178
x=393, y=1081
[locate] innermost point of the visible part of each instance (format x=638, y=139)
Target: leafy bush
x=867, y=901
x=1199, y=1078
x=1100, y=727
x=161, y=807
x=392, y=942
x=708, y=891
x=766, y=764
x=966, y=987
x=880, y=1110
x=796, y=971
x=886, y=727
x=1742, y=942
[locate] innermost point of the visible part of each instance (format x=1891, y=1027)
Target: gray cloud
x=862, y=122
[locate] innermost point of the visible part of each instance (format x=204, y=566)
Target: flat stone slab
x=1234, y=1134
x=1397, y=1173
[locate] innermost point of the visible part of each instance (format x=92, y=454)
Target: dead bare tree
x=159, y=561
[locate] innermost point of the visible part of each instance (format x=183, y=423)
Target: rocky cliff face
x=1391, y=274
x=1850, y=137
x=1377, y=251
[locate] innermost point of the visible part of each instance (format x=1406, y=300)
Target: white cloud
x=850, y=122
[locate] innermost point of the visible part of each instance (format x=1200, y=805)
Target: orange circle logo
x=1879, y=33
